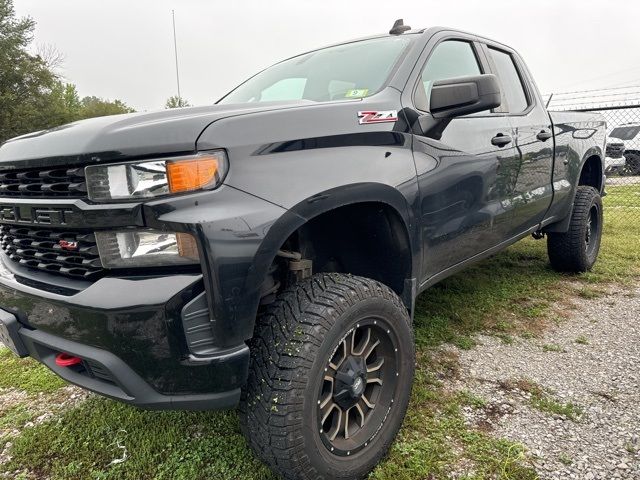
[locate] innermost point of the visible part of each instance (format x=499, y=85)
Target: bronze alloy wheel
x=358, y=387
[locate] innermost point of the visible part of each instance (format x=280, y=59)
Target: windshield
x=351, y=70
x=625, y=133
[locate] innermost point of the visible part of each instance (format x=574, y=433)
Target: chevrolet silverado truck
x=266, y=252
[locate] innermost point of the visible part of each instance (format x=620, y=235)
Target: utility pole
x=175, y=48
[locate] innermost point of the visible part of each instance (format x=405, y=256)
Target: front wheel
x=577, y=249
x=332, y=364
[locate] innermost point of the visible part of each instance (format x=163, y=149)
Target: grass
x=84, y=442
x=27, y=375
x=545, y=403
x=553, y=347
x=510, y=295
x=542, y=400
x=582, y=340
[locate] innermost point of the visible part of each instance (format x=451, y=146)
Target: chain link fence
x=620, y=106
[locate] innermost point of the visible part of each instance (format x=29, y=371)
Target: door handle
x=500, y=140
x=544, y=135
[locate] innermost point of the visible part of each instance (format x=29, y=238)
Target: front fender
x=318, y=204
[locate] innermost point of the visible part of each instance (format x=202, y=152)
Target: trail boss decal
x=377, y=117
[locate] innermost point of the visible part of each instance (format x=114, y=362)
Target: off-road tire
x=293, y=341
x=577, y=249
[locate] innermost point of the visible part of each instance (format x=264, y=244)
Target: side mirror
x=454, y=97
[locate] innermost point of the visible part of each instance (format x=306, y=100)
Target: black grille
x=73, y=254
x=615, y=150
x=52, y=182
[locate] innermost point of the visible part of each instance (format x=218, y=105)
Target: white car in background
x=627, y=137
x=614, y=161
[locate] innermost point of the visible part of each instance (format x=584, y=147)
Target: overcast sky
x=124, y=49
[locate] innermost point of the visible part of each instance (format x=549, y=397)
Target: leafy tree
x=25, y=80
x=176, y=102
x=98, y=107
x=32, y=97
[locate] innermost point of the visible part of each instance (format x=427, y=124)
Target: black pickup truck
x=266, y=252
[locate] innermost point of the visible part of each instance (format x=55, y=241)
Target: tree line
x=32, y=95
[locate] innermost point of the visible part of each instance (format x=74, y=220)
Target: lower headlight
x=146, y=248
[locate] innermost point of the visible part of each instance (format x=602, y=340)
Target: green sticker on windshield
x=357, y=93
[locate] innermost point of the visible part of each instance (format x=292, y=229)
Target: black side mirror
x=454, y=97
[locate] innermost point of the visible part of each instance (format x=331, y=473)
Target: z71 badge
x=377, y=117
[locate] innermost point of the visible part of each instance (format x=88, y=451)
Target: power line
x=593, y=90
x=601, y=95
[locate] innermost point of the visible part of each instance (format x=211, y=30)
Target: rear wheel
x=331, y=369
x=577, y=249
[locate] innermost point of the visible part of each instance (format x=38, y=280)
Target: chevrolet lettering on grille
x=37, y=216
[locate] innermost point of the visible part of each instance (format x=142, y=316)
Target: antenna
x=175, y=48
x=399, y=27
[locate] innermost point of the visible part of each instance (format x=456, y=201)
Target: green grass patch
x=542, y=400
x=26, y=374
x=582, y=340
x=83, y=443
x=553, y=347
x=545, y=403
x=15, y=416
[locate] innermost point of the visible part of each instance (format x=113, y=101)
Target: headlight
x=146, y=248
x=155, y=178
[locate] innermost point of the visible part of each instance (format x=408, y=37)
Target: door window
x=450, y=59
x=510, y=81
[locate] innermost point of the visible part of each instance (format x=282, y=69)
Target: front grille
x=73, y=254
x=615, y=150
x=50, y=182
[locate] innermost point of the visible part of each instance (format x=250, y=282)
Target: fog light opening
x=66, y=360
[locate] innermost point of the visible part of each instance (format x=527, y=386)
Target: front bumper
x=610, y=163
x=129, y=332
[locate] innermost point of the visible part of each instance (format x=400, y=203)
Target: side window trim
x=524, y=79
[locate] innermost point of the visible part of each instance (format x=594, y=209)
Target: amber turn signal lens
x=192, y=174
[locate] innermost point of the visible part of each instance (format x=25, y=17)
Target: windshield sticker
x=362, y=92
x=377, y=117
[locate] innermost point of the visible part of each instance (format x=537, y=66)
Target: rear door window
x=513, y=91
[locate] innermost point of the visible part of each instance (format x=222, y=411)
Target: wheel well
x=366, y=239
x=591, y=173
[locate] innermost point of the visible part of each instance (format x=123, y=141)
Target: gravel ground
x=591, y=360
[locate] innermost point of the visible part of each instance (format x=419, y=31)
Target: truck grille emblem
x=67, y=245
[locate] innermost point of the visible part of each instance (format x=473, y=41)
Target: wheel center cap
x=351, y=382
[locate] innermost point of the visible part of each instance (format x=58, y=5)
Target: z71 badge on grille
x=377, y=117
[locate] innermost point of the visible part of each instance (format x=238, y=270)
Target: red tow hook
x=66, y=360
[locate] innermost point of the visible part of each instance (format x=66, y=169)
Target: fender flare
x=319, y=204
x=562, y=226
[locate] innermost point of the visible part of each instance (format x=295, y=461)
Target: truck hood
x=120, y=137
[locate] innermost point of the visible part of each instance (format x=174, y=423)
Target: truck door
x=458, y=167
x=531, y=190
